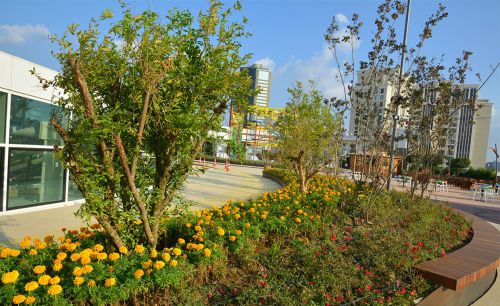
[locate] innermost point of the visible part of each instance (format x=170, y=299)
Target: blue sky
x=287, y=35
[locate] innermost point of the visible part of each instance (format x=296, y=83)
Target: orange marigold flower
x=78, y=280
x=39, y=269
x=247, y=225
x=138, y=273
x=114, y=256
x=98, y=247
x=15, y=253
x=220, y=231
x=232, y=238
x=31, y=286
x=18, y=299
x=78, y=271
x=54, y=290
x=91, y=283
x=181, y=241
x=173, y=263
x=75, y=257
x=153, y=253
x=159, y=264
x=207, y=252
x=87, y=269
x=30, y=300
x=57, y=267
x=102, y=256
x=188, y=225
x=146, y=264
x=85, y=260
x=109, y=282
x=123, y=250
x=25, y=243
x=166, y=257
x=55, y=280
x=33, y=252
x=44, y=280
x=62, y=256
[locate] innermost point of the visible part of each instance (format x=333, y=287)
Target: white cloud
x=19, y=34
x=266, y=63
x=341, y=18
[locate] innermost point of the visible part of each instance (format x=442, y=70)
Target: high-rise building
x=468, y=132
x=262, y=82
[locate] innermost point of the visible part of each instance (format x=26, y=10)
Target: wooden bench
x=477, y=259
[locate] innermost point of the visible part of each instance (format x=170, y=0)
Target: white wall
x=15, y=76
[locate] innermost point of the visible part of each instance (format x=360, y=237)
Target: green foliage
x=142, y=98
x=480, y=174
x=458, y=165
x=307, y=133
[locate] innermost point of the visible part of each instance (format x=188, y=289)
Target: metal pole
x=397, y=100
x=496, y=166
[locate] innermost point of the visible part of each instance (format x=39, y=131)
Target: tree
x=459, y=165
x=307, y=133
x=142, y=98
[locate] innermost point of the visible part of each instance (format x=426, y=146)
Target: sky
x=287, y=36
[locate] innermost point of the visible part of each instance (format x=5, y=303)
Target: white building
x=469, y=131
x=31, y=177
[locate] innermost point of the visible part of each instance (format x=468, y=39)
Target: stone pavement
x=214, y=187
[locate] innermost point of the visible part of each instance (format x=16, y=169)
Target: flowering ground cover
x=337, y=244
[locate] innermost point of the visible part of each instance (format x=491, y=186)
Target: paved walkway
x=206, y=190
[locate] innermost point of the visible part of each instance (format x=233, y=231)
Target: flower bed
x=282, y=248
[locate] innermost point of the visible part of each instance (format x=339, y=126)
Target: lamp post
x=494, y=149
x=397, y=99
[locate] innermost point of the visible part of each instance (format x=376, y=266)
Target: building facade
x=31, y=176
x=261, y=78
x=469, y=131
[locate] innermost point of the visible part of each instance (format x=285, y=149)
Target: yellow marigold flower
x=263, y=216
x=55, y=280
x=25, y=243
x=207, y=252
x=137, y=222
x=166, y=257
x=138, y=273
x=247, y=225
x=197, y=228
x=98, y=247
x=177, y=251
x=31, y=286
x=123, y=250
x=300, y=211
x=159, y=264
x=91, y=283
x=298, y=220
x=33, y=252
x=139, y=248
x=18, y=299
x=111, y=269
x=44, y=280
x=220, y=231
x=237, y=216
x=62, y=256
x=102, y=256
x=232, y=238
x=39, y=269
x=54, y=290
x=181, y=241
x=173, y=263
x=282, y=218
x=252, y=210
x=199, y=222
x=200, y=239
x=30, y=300
x=200, y=246
x=238, y=232
x=75, y=257
x=57, y=266
x=15, y=253
x=87, y=269
x=78, y=280
x=109, y=282
x=85, y=260
x=5, y=252
x=114, y=256
x=153, y=253
x=87, y=252
x=146, y=264
x=188, y=225
x=41, y=245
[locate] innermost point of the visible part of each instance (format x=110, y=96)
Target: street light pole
x=496, y=163
x=398, y=99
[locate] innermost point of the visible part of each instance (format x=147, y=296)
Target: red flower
x=333, y=238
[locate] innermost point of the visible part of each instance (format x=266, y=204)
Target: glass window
x=30, y=122
x=73, y=191
x=35, y=177
x=3, y=111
